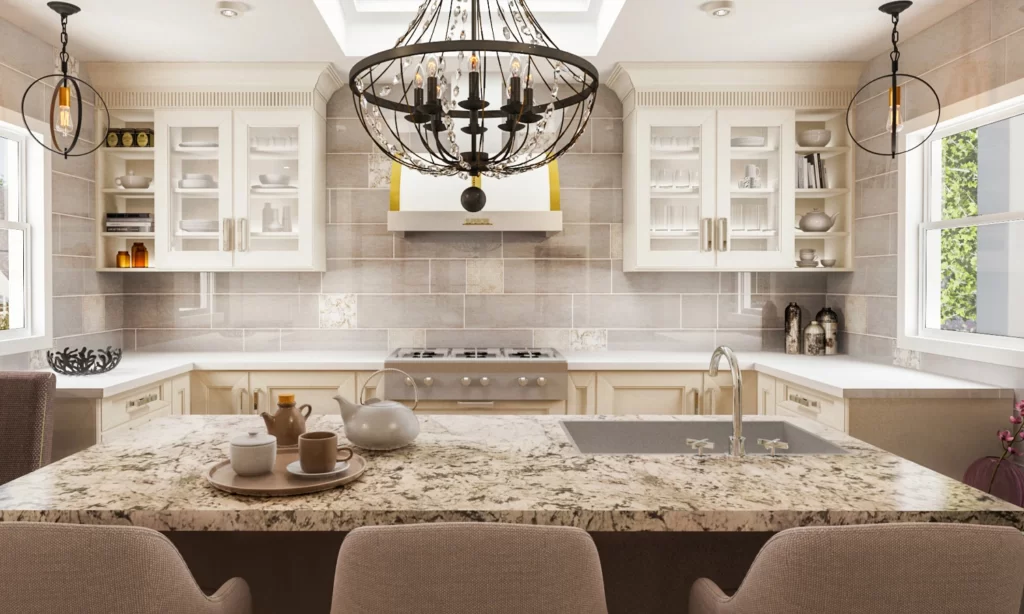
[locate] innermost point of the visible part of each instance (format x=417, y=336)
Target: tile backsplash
x=382, y=290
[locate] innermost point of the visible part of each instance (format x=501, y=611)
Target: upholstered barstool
x=878, y=569
x=468, y=568
x=47, y=568
x=26, y=422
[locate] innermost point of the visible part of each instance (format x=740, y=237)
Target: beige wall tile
x=377, y=276
x=752, y=340
x=662, y=340
x=348, y=170
x=359, y=206
x=68, y=318
x=166, y=311
x=479, y=338
x=978, y=72
x=348, y=136
x=72, y=195
x=789, y=283
x=76, y=275
x=518, y=311
x=607, y=103
x=265, y=283
x=485, y=276
x=591, y=206
x=764, y=310
x=867, y=315
x=557, y=276
x=265, y=311
x=77, y=236
x=24, y=52
x=951, y=38
x=870, y=165
x=590, y=170
x=83, y=167
x=575, y=241
x=261, y=341
x=873, y=235
x=606, y=135
x=866, y=347
x=12, y=88
x=341, y=104
x=449, y=245
x=359, y=241
x=163, y=283
x=409, y=311
x=102, y=313
x=558, y=338
x=1007, y=17
x=334, y=340
x=406, y=338
x=877, y=195
x=639, y=310
x=189, y=341
x=1015, y=56
x=447, y=276
x=874, y=275
x=667, y=283
x=338, y=311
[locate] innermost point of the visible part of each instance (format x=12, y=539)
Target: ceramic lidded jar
x=830, y=323
x=253, y=454
x=814, y=339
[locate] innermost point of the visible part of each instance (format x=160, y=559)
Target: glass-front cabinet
x=193, y=207
x=755, y=211
x=674, y=190
x=273, y=189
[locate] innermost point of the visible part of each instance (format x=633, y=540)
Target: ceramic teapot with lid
x=379, y=424
x=817, y=221
x=288, y=422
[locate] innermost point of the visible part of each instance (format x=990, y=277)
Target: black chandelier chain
x=64, y=57
x=894, y=55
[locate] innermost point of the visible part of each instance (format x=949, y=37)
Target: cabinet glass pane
x=675, y=188
x=196, y=173
x=273, y=189
x=754, y=178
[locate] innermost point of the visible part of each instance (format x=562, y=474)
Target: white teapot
x=380, y=424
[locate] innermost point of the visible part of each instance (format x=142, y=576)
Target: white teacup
x=807, y=255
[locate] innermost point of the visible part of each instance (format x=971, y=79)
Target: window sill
x=1001, y=354
x=20, y=345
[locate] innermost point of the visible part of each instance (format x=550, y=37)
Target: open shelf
x=753, y=193
x=676, y=155
x=274, y=235
x=674, y=234
x=128, y=235
x=197, y=192
x=127, y=270
x=276, y=192
x=821, y=269
x=659, y=193
x=130, y=193
x=832, y=234
x=753, y=234
x=273, y=155
x=824, y=152
x=129, y=153
x=197, y=235
x=821, y=193
x=753, y=153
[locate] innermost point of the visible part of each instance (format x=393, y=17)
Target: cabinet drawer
x=125, y=429
x=798, y=401
x=133, y=405
x=494, y=408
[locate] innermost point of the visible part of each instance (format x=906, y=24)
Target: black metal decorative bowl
x=74, y=361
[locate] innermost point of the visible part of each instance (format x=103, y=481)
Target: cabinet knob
x=485, y=381
x=542, y=381
x=428, y=381
x=466, y=381
x=408, y=381
x=523, y=381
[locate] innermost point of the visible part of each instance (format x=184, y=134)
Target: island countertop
x=517, y=469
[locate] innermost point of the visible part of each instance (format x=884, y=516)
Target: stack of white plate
x=748, y=141
x=192, y=181
x=199, y=225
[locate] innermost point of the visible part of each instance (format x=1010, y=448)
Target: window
x=962, y=241
x=24, y=239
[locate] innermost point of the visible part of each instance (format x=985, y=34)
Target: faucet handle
x=700, y=445
x=773, y=444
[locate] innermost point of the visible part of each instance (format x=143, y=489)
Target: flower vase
x=1009, y=478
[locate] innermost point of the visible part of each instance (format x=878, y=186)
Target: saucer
x=806, y=264
x=296, y=470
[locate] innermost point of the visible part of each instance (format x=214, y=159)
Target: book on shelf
x=112, y=216
x=129, y=229
x=811, y=173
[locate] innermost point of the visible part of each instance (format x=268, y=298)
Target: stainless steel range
x=478, y=374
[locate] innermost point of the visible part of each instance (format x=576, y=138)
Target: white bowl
x=192, y=184
x=828, y=262
x=275, y=179
x=202, y=176
x=814, y=138
x=133, y=182
x=807, y=254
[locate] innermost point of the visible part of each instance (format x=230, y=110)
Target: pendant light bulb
x=65, y=124
x=516, y=66
x=419, y=76
x=432, y=66
x=474, y=63
x=895, y=110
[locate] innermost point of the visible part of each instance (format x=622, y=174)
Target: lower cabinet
x=648, y=392
x=717, y=398
x=220, y=392
x=181, y=395
x=314, y=388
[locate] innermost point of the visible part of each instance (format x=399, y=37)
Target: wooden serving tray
x=280, y=483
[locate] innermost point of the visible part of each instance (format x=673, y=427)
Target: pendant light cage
x=65, y=117
x=899, y=85
x=474, y=87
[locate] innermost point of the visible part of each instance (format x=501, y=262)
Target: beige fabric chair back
x=26, y=422
x=468, y=568
x=50, y=568
x=878, y=569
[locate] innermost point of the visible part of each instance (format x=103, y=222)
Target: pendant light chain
x=64, y=57
x=894, y=55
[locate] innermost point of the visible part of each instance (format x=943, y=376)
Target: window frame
x=35, y=221
x=917, y=180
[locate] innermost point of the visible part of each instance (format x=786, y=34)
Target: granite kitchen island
x=520, y=469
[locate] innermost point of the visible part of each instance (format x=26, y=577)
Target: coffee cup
x=807, y=255
x=318, y=452
x=752, y=171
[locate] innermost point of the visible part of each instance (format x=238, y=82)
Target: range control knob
x=408, y=381
x=485, y=381
x=466, y=381
x=428, y=381
x=542, y=381
x=523, y=381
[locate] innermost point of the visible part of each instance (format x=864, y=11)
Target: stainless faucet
x=736, y=440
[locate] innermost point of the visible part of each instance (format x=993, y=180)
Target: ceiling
x=645, y=30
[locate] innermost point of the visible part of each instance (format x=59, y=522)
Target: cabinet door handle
x=256, y=400
x=242, y=396
x=226, y=239
x=723, y=234
x=707, y=241
x=696, y=401
x=243, y=234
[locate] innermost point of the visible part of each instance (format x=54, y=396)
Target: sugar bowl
x=253, y=453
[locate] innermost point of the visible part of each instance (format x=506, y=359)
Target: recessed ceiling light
x=232, y=9
x=718, y=8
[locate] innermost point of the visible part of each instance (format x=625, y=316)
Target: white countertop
x=838, y=376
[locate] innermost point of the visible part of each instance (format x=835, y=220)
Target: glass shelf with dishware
x=126, y=185
x=274, y=168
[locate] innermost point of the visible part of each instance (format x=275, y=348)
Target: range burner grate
x=475, y=354
x=526, y=354
x=425, y=354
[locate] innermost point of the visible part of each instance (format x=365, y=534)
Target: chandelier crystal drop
x=474, y=88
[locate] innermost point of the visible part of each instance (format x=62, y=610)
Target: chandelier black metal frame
x=897, y=92
x=61, y=118
x=413, y=99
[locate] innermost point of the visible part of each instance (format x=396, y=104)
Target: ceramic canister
x=830, y=322
x=814, y=339
x=793, y=329
x=253, y=453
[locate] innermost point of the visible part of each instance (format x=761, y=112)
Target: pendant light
x=65, y=115
x=898, y=85
x=425, y=101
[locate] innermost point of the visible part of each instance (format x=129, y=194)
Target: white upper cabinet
x=711, y=162
x=755, y=204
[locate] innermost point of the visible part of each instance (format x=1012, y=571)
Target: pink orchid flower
x=1005, y=435
x=1016, y=419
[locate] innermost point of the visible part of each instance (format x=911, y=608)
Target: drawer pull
x=805, y=403
x=141, y=403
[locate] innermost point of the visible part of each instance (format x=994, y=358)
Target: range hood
x=529, y=202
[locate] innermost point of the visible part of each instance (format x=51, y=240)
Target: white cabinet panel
x=314, y=388
x=638, y=392
x=220, y=392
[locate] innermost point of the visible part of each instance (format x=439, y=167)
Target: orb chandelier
x=474, y=88
x=898, y=107
x=65, y=120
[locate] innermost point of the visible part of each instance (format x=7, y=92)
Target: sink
x=664, y=437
